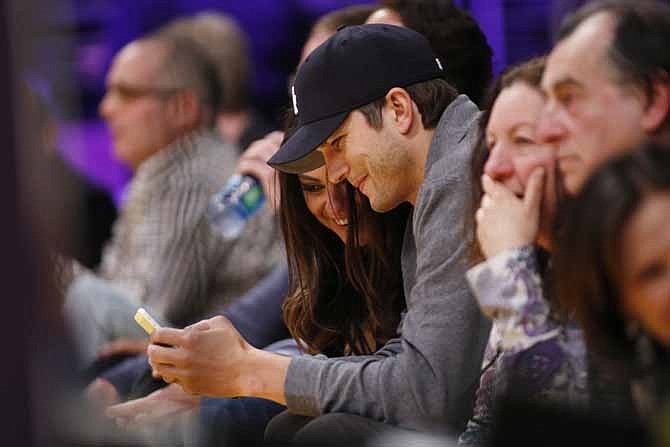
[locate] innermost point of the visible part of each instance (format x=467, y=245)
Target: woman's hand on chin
x=506, y=221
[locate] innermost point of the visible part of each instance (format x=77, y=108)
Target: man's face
x=371, y=160
x=135, y=106
x=588, y=116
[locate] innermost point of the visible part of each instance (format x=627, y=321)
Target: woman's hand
x=506, y=221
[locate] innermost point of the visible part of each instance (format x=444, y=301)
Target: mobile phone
x=146, y=321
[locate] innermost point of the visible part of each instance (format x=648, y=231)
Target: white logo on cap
x=439, y=64
x=295, y=100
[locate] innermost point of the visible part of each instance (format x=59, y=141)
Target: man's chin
x=123, y=155
x=382, y=207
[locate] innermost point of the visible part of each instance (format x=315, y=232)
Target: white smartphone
x=146, y=321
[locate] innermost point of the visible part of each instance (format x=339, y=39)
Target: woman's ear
x=401, y=108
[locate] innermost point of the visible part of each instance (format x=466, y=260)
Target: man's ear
x=185, y=109
x=658, y=106
x=401, y=108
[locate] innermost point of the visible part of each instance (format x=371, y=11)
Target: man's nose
x=106, y=105
x=499, y=164
x=549, y=128
x=336, y=167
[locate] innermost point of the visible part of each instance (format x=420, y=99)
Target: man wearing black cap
x=371, y=104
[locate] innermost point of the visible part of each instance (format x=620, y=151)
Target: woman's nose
x=499, y=165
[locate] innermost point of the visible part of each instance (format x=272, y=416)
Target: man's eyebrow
x=336, y=136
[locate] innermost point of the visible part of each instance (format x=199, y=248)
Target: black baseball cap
x=356, y=66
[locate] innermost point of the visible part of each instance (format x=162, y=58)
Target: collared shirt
x=163, y=250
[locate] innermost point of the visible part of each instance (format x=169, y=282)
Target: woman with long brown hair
x=345, y=285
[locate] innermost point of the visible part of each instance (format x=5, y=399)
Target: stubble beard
x=392, y=169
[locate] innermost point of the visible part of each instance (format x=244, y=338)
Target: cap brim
x=298, y=154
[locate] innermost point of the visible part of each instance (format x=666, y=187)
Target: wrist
x=249, y=381
x=263, y=375
x=508, y=245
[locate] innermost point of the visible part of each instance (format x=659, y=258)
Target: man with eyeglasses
x=160, y=106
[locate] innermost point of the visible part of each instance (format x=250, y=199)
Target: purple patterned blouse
x=530, y=354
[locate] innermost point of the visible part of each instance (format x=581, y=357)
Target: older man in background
x=607, y=83
x=161, y=102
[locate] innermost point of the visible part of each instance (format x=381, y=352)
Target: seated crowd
x=437, y=274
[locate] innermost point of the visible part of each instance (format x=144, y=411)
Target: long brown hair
x=343, y=298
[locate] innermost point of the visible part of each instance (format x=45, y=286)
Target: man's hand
x=160, y=409
x=254, y=162
x=505, y=221
x=205, y=358
x=211, y=358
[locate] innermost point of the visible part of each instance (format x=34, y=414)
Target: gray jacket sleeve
x=429, y=374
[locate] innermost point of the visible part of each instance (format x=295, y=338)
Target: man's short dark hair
x=456, y=39
x=639, y=47
x=431, y=98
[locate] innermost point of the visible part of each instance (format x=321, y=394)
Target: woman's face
x=327, y=202
x=646, y=266
x=514, y=151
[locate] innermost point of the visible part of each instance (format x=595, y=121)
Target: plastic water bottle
x=229, y=209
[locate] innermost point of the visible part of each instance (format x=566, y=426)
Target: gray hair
x=225, y=45
x=185, y=66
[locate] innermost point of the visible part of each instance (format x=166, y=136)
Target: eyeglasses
x=127, y=92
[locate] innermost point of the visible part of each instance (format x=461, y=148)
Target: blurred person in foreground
x=613, y=266
x=162, y=95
